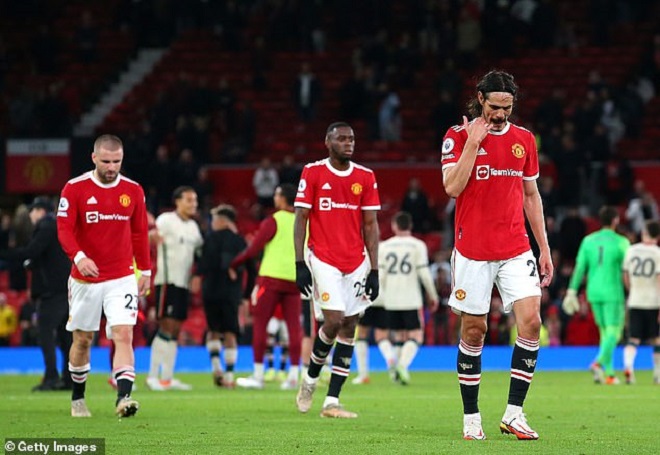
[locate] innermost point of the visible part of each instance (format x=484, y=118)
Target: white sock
x=330, y=401
x=362, y=358
x=629, y=353
x=294, y=373
x=511, y=410
x=656, y=365
x=259, y=371
x=158, y=348
x=468, y=417
x=303, y=371
x=408, y=353
x=385, y=348
x=231, y=355
x=396, y=353
x=214, y=346
x=309, y=380
x=169, y=361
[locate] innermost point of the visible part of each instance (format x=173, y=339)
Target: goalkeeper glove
x=372, y=286
x=571, y=304
x=303, y=278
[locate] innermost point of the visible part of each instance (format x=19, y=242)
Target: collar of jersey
x=104, y=185
x=504, y=130
x=345, y=173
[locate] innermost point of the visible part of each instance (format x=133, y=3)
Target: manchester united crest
x=125, y=200
x=325, y=296
x=356, y=188
x=460, y=294
x=518, y=150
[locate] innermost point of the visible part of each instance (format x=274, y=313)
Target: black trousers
x=52, y=316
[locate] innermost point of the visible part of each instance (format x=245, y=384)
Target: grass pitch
x=570, y=413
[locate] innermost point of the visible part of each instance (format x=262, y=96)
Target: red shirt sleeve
x=452, y=146
x=305, y=194
x=531, y=168
x=370, y=198
x=67, y=214
x=140, y=233
x=266, y=232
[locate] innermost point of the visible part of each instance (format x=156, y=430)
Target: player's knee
x=122, y=335
x=474, y=335
x=530, y=326
x=83, y=340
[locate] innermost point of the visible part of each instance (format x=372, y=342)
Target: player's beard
x=107, y=176
x=339, y=156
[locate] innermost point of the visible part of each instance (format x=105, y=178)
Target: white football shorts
x=472, y=282
x=334, y=290
x=117, y=298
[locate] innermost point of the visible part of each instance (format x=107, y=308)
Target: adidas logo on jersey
x=326, y=186
x=92, y=200
x=481, y=151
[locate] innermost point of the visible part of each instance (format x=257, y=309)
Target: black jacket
x=220, y=248
x=50, y=266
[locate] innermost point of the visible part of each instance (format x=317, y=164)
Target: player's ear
x=481, y=97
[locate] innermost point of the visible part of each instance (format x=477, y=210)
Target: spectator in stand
x=443, y=116
x=572, y=230
x=161, y=176
x=642, y=207
x=203, y=186
x=570, y=169
x=8, y=321
x=544, y=25
x=86, y=38
x=306, y=94
x=45, y=48
x=550, y=113
x=468, y=38
x=290, y=171
x=353, y=96
x=389, y=115
x=619, y=181
x=185, y=169
x=225, y=105
x=264, y=182
x=416, y=202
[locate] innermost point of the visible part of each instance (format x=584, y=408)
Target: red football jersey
x=336, y=200
x=105, y=222
x=490, y=223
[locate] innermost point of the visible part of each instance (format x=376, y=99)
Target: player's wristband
x=78, y=257
x=145, y=272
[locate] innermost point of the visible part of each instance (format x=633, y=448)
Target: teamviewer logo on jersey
x=325, y=203
x=92, y=217
x=483, y=172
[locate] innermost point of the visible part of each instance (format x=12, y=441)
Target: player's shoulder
x=82, y=178
x=364, y=170
x=129, y=183
x=520, y=129
x=316, y=165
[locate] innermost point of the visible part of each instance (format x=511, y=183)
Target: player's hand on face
x=87, y=267
x=143, y=285
x=477, y=130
